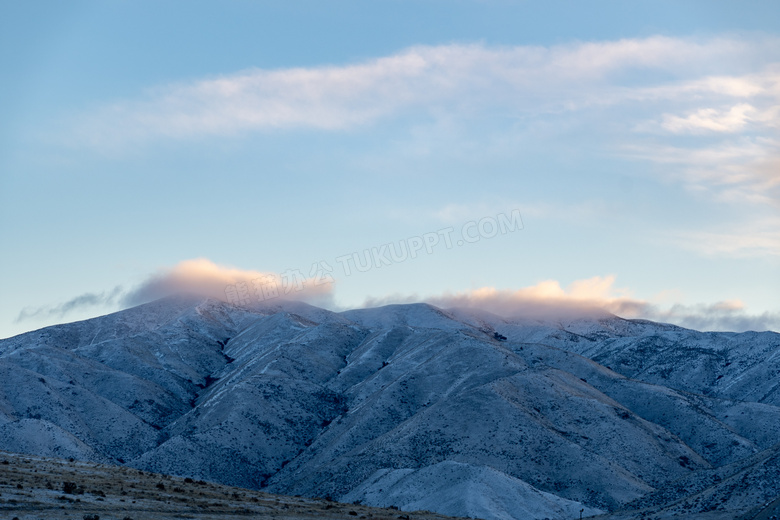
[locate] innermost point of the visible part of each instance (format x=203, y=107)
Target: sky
x=522, y=157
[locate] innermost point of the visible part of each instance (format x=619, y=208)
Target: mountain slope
x=51, y=489
x=387, y=405
x=739, y=366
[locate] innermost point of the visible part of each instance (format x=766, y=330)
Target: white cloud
x=592, y=297
x=589, y=297
x=597, y=296
x=723, y=316
x=737, y=156
x=199, y=276
x=723, y=91
x=759, y=238
x=743, y=170
x=86, y=300
x=203, y=277
x=669, y=86
x=763, y=83
x=449, y=78
x=710, y=119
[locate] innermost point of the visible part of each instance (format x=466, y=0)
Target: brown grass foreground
x=37, y=488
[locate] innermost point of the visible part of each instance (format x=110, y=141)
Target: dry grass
x=37, y=488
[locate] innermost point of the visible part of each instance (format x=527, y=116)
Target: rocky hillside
x=37, y=488
x=458, y=412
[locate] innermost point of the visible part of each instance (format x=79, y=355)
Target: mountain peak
x=406, y=405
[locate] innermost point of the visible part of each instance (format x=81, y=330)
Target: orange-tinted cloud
x=203, y=277
x=597, y=297
x=594, y=296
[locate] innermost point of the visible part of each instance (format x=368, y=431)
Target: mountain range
x=456, y=411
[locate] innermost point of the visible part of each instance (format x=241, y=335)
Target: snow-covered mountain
x=409, y=405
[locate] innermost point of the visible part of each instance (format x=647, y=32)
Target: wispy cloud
x=732, y=119
x=743, y=170
x=736, y=156
x=595, y=297
x=198, y=276
x=203, y=277
x=84, y=301
x=589, y=297
x=592, y=297
x=761, y=238
x=725, y=91
x=723, y=316
x=434, y=78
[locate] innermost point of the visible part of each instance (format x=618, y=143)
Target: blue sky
x=153, y=146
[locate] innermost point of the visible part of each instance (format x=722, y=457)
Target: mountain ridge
x=296, y=399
